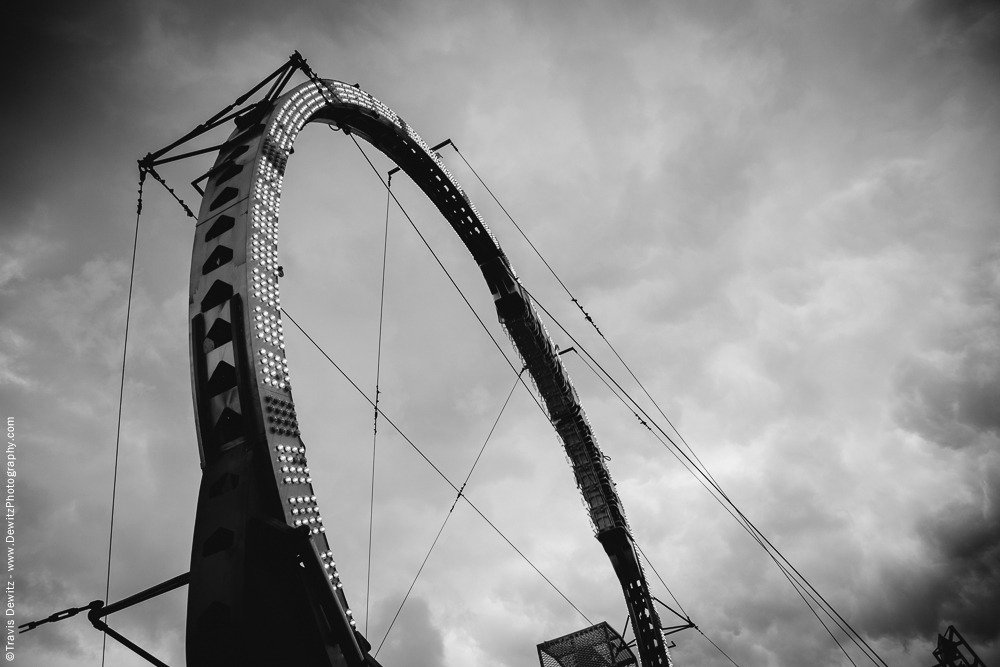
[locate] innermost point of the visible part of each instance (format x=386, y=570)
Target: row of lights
x=284, y=426
x=265, y=288
x=309, y=502
x=333, y=576
x=267, y=224
x=310, y=521
x=269, y=329
x=283, y=418
x=311, y=102
x=294, y=115
x=290, y=458
x=417, y=139
x=273, y=367
x=270, y=196
x=362, y=98
x=269, y=205
x=274, y=156
x=264, y=216
x=263, y=248
x=296, y=480
x=280, y=405
x=291, y=449
x=273, y=161
x=292, y=474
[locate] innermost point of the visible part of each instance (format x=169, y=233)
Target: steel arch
x=258, y=532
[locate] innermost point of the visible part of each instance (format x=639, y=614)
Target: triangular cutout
x=226, y=195
x=229, y=427
x=218, y=293
x=223, y=378
x=227, y=482
x=221, y=255
x=230, y=171
x=220, y=334
x=221, y=225
x=220, y=540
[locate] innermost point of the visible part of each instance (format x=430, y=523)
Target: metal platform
x=596, y=646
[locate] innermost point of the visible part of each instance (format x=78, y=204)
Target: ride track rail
x=258, y=530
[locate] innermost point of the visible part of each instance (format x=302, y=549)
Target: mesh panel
x=596, y=646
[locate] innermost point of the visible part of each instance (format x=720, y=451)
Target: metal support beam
x=94, y=617
x=434, y=148
x=98, y=611
x=280, y=76
x=953, y=651
x=142, y=596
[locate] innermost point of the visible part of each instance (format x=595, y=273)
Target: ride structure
x=258, y=529
x=263, y=586
x=953, y=651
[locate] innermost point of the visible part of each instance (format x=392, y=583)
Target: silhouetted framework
x=264, y=589
x=953, y=651
x=596, y=646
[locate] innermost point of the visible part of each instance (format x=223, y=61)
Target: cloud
x=949, y=397
x=414, y=639
x=782, y=214
x=956, y=409
x=965, y=537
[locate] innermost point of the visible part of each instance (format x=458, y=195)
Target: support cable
x=703, y=473
x=433, y=466
x=696, y=463
x=413, y=583
x=448, y=274
x=650, y=564
x=305, y=68
x=750, y=527
x=294, y=61
x=593, y=323
x=323, y=89
x=701, y=469
x=159, y=179
x=713, y=488
x=576, y=301
x=448, y=516
x=121, y=399
x=796, y=585
x=495, y=343
x=799, y=590
x=715, y=645
x=378, y=375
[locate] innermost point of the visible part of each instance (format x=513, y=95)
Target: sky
x=782, y=214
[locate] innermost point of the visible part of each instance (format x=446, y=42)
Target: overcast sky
x=782, y=214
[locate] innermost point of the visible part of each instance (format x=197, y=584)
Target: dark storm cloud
x=970, y=25
x=966, y=542
x=951, y=398
x=957, y=581
x=953, y=409
x=57, y=56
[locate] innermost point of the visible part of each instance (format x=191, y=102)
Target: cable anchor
x=60, y=616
